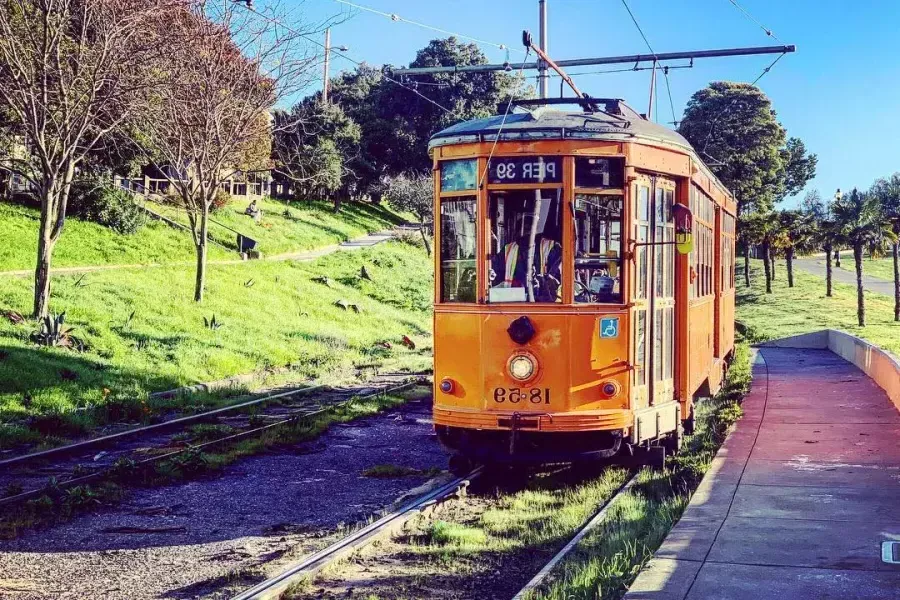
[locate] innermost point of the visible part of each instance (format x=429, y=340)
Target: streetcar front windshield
x=458, y=244
x=525, y=251
x=598, y=248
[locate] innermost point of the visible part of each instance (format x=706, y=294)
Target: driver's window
x=525, y=246
x=598, y=248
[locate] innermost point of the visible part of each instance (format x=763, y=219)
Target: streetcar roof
x=618, y=122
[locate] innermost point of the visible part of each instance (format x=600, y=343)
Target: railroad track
x=77, y=464
x=307, y=567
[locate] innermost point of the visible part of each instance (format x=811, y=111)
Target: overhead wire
x=512, y=96
x=344, y=56
x=397, y=18
x=653, y=52
x=754, y=20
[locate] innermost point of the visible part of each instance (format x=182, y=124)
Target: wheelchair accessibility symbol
x=609, y=327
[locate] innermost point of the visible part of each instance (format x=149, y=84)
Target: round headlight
x=521, y=367
x=447, y=385
x=609, y=389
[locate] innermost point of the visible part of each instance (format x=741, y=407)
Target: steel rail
x=274, y=587
x=157, y=427
x=595, y=520
x=104, y=473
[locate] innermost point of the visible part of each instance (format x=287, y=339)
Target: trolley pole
x=543, y=77
x=327, y=57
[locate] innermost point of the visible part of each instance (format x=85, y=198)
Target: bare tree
x=211, y=117
x=71, y=71
x=414, y=192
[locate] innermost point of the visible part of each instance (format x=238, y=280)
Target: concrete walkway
x=816, y=266
x=365, y=241
x=799, y=498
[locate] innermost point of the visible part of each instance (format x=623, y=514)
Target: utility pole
x=543, y=77
x=327, y=57
x=652, y=92
x=635, y=59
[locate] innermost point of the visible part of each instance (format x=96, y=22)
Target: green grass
x=389, y=471
x=883, y=268
x=86, y=244
x=608, y=559
x=293, y=226
x=285, y=318
x=804, y=308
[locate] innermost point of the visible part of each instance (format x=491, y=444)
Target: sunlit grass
x=805, y=307
x=883, y=268
x=284, y=318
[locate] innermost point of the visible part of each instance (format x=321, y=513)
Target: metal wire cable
x=512, y=96
x=344, y=56
x=653, y=52
x=754, y=20
x=397, y=18
x=712, y=127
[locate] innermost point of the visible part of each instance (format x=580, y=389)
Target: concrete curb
x=882, y=366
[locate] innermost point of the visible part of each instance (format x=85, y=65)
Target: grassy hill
x=274, y=314
x=304, y=226
x=804, y=308
x=292, y=226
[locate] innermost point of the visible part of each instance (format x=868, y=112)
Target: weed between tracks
x=58, y=504
x=609, y=558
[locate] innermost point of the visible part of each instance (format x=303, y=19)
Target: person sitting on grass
x=253, y=211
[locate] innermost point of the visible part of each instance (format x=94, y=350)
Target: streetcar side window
x=598, y=248
x=525, y=247
x=458, y=244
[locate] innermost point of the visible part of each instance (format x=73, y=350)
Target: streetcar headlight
x=521, y=367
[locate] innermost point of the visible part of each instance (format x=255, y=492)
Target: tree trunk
x=772, y=259
x=860, y=299
x=425, y=238
x=837, y=258
x=747, y=265
x=337, y=203
x=202, y=240
x=828, y=270
x=768, y=267
x=42, y=270
x=896, y=253
x=789, y=259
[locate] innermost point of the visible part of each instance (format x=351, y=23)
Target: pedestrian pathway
x=816, y=266
x=365, y=241
x=800, y=497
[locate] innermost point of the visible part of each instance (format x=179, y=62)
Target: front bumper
x=575, y=421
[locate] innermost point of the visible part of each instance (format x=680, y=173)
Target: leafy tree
x=313, y=147
x=862, y=224
x=396, y=123
x=799, y=167
x=887, y=190
x=63, y=108
x=414, y=192
x=735, y=130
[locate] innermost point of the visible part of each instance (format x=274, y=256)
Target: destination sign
x=527, y=169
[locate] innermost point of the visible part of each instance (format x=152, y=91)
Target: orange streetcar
x=584, y=284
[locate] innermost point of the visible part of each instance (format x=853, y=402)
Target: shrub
x=101, y=201
x=221, y=200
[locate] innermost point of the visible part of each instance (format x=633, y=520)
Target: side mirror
x=684, y=228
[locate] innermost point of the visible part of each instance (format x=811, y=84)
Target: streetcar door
x=662, y=327
x=653, y=306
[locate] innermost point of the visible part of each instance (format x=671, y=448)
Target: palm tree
x=888, y=192
x=862, y=224
x=825, y=234
x=794, y=233
x=757, y=229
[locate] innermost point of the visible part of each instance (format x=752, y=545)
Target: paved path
x=365, y=241
x=816, y=266
x=799, y=498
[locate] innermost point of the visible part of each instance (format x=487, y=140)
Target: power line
x=712, y=127
x=397, y=18
x=754, y=20
x=344, y=56
x=653, y=52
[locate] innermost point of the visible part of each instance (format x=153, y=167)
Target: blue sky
x=839, y=92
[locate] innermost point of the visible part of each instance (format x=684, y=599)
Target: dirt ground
x=209, y=538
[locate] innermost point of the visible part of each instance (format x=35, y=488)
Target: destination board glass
x=596, y=172
x=459, y=175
